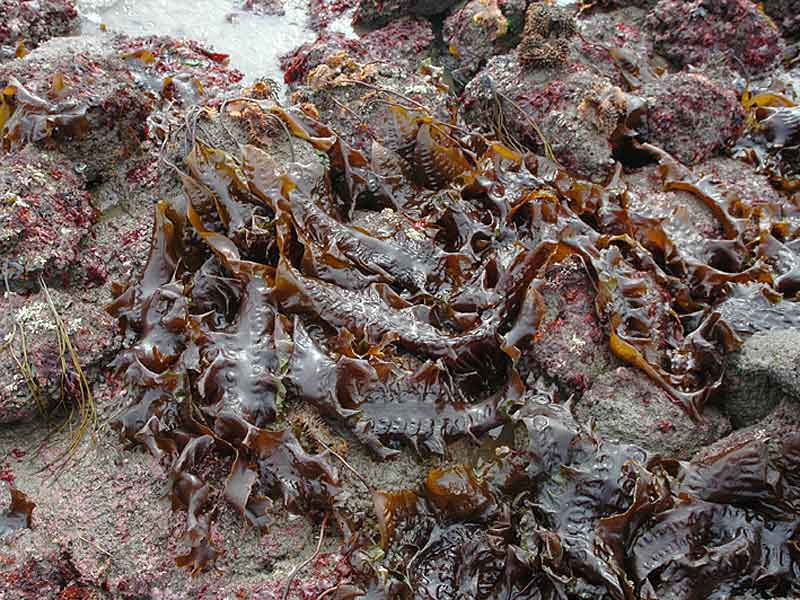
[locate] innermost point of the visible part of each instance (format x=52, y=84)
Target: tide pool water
x=254, y=42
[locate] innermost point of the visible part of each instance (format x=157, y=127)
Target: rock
x=30, y=364
x=403, y=42
x=374, y=13
x=90, y=96
x=35, y=21
x=474, y=32
x=561, y=85
x=322, y=12
x=690, y=116
x=298, y=64
x=626, y=3
x=742, y=178
x=786, y=13
x=264, y=7
x=349, y=92
x=778, y=428
x=44, y=217
x=625, y=405
x=615, y=43
x=688, y=222
x=570, y=346
x=552, y=99
x=697, y=32
x=764, y=372
x=97, y=115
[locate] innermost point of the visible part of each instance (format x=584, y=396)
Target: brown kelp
x=570, y=515
x=19, y=515
x=394, y=292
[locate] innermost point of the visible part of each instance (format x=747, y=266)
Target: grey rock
x=626, y=406
x=764, y=372
x=777, y=430
x=786, y=13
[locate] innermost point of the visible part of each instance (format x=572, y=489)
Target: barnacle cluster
x=393, y=291
x=546, y=35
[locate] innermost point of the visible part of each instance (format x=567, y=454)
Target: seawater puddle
x=254, y=41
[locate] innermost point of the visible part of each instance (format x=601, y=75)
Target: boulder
x=570, y=346
x=697, y=32
x=625, y=405
x=786, y=14
x=475, y=31
x=32, y=373
x=45, y=215
x=762, y=374
x=690, y=116
x=35, y=21
x=551, y=100
x=374, y=13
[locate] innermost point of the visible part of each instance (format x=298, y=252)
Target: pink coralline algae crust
x=691, y=117
x=475, y=31
x=264, y=7
x=44, y=217
x=34, y=21
x=549, y=99
x=322, y=12
x=403, y=41
x=570, y=345
x=187, y=57
x=786, y=14
x=699, y=31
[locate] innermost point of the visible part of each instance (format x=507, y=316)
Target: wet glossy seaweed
x=19, y=514
x=394, y=293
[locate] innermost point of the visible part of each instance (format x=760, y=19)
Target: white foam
x=254, y=42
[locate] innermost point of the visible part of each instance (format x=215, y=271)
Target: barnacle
x=545, y=38
x=392, y=293
x=492, y=16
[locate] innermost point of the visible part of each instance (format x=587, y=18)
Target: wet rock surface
x=265, y=7
x=477, y=30
x=786, y=13
x=405, y=41
x=570, y=345
x=32, y=22
x=691, y=117
x=340, y=81
x=37, y=371
x=701, y=31
x=46, y=216
x=624, y=405
x=762, y=375
x=616, y=43
x=78, y=95
x=551, y=101
x=372, y=13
